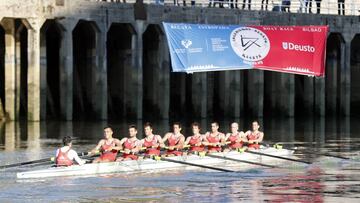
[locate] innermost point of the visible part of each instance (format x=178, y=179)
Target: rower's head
x=255, y=125
x=67, y=141
x=195, y=128
x=176, y=127
x=234, y=127
x=132, y=131
x=214, y=126
x=108, y=132
x=148, y=128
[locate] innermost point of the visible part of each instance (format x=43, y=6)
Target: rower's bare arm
x=187, y=141
x=141, y=143
x=205, y=141
x=261, y=137
x=137, y=147
x=180, y=145
x=166, y=136
x=201, y=140
x=122, y=141
x=242, y=137
x=227, y=136
x=222, y=138
x=119, y=144
x=97, y=148
x=160, y=140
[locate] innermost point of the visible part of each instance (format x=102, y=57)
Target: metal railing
x=333, y=7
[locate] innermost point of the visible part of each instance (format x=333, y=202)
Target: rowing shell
x=152, y=165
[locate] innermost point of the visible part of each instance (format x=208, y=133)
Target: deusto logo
x=296, y=47
x=250, y=43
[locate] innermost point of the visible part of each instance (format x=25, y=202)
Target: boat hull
x=154, y=165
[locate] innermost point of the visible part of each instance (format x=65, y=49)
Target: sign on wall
x=290, y=49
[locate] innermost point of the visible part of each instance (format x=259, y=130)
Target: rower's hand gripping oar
x=50, y=159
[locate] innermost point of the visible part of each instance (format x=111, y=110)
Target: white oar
x=277, y=157
x=238, y=160
x=50, y=159
x=197, y=165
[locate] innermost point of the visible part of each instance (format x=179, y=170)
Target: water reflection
x=316, y=133
x=306, y=187
x=11, y=135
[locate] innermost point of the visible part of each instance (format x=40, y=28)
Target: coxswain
x=214, y=139
x=151, y=142
x=235, y=138
x=130, y=145
x=175, y=140
x=65, y=156
x=196, y=140
x=108, y=147
x=254, y=136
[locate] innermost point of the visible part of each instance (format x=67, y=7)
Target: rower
x=214, y=139
x=108, y=147
x=195, y=141
x=235, y=138
x=65, y=155
x=151, y=142
x=131, y=145
x=175, y=140
x=255, y=136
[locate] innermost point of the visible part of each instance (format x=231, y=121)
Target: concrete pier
x=78, y=59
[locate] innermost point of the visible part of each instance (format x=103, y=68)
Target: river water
x=328, y=179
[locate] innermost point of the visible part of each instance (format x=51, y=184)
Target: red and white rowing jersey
x=253, y=136
x=62, y=158
x=106, y=154
x=129, y=144
x=233, y=138
x=213, y=139
x=150, y=144
x=195, y=141
x=173, y=141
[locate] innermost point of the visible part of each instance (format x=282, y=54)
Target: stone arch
x=271, y=93
x=16, y=67
x=2, y=70
x=21, y=37
x=355, y=75
x=84, y=73
x=180, y=95
x=120, y=64
x=333, y=72
x=304, y=96
x=50, y=40
x=156, y=69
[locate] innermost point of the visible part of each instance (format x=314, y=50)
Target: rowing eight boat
x=154, y=165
